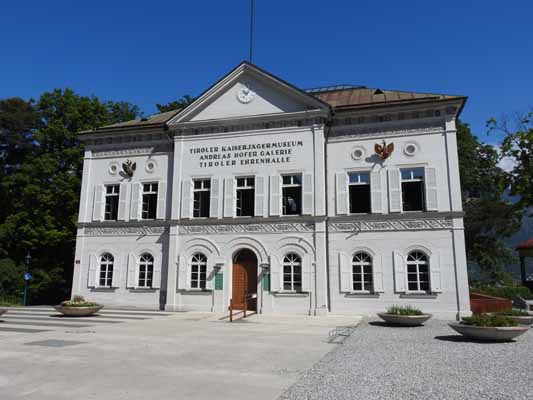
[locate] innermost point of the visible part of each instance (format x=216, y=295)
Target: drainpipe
x=327, y=128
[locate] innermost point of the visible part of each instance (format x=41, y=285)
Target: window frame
x=198, y=260
x=148, y=265
x=113, y=195
x=201, y=190
x=296, y=261
x=243, y=188
x=369, y=184
x=103, y=267
x=422, y=179
x=418, y=263
x=288, y=186
x=362, y=263
x=151, y=192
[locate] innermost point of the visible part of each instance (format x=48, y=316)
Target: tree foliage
x=176, y=105
x=40, y=188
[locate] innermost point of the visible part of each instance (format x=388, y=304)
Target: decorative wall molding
x=394, y=225
x=124, y=152
x=384, y=130
x=127, y=231
x=247, y=228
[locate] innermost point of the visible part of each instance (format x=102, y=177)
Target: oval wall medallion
x=410, y=149
x=150, y=166
x=358, y=153
x=113, y=168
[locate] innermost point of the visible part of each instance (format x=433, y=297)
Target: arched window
x=292, y=273
x=146, y=270
x=198, y=271
x=106, y=270
x=362, y=279
x=418, y=271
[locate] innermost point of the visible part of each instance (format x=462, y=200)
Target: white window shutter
x=341, y=182
x=122, y=201
x=161, y=200
x=229, y=197
x=308, y=195
x=275, y=196
x=435, y=279
x=210, y=276
x=345, y=273
x=131, y=280
x=183, y=276
x=117, y=271
x=375, y=192
x=135, y=210
x=99, y=203
x=395, y=190
x=93, y=271
x=307, y=269
x=377, y=270
x=156, y=277
x=259, y=196
x=399, y=273
x=186, y=201
x=431, y=189
x=275, y=274
x=214, y=196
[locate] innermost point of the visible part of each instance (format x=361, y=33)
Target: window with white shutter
x=341, y=191
x=99, y=202
x=395, y=194
x=135, y=209
x=375, y=192
x=259, y=196
x=213, y=200
x=275, y=198
x=162, y=200
x=186, y=202
x=122, y=201
x=229, y=197
x=399, y=272
x=308, y=195
x=431, y=189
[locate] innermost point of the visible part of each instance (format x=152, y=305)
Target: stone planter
x=78, y=311
x=523, y=320
x=489, y=334
x=404, y=320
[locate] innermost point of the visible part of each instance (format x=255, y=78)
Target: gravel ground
x=430, y=362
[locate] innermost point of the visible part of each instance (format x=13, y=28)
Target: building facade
x=341, y=200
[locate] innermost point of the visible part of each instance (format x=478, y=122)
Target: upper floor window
x=412, y=189
x=359, y=192
x=106, y=270
x=245, y=197
x=149, y=201
x=362, y=272
x=417, y=271
x=201, y=198
x=198, y=271
x=146, y=270
x=111, y=202
x=291, y=188
x=292, y=273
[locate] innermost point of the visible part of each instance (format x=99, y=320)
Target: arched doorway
x=244, y=280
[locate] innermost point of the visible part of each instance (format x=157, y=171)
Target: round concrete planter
x=523, y=320
x=404, y=320
x=78, y=311
x=489, y=334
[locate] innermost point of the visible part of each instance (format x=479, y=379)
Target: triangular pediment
x=248, y=91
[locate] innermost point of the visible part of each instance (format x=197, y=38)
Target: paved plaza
x=124, y=354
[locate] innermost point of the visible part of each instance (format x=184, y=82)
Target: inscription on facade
x=246, y=228
x=396, y=225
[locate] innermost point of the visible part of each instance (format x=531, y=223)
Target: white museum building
x=341, y=200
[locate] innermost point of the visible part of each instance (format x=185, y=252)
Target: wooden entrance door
x=244, y=280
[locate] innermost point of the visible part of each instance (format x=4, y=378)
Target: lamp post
x=27, y=278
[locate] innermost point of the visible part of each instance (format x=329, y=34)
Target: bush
x=488, y=320
x=404, y=310
x=506, y=292
x=78, y=301
x=514, y=313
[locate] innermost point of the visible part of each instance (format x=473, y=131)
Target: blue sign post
x=27, y=277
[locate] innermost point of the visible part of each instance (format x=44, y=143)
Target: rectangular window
x=291, y=190
x=111, y=202
x=149, y=206
x=359, y=192
x=413, y=189
x=201, y=198
x=245, y=197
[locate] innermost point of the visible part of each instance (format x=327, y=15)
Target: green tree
x=488, y=218
x=176, y=105
x=46, y=187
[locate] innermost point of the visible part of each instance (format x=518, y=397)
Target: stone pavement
x=130, y=354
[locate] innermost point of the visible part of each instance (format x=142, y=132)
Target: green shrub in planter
x=404, y=310
x=506, y=292
x=489, y=320
x=514, y=313
x=78, y=301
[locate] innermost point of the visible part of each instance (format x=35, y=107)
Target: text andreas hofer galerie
x=246, y=154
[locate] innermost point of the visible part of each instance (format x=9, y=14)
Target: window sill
x=103, y=289
x=197, y=291
x=143, y=289
x=362, y=295
x=418, y=295
x=291, y=294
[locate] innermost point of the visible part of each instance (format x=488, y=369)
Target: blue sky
x=154, y=51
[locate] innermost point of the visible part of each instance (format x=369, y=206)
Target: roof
x=361, y=96
x=526, y=244
x=152, y=121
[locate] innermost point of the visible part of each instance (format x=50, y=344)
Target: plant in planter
x=78, y=307
x=520, y=316
x=404, y=316
x=489, y=327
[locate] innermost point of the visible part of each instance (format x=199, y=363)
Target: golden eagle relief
x=384, y=151
x=129, y=167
